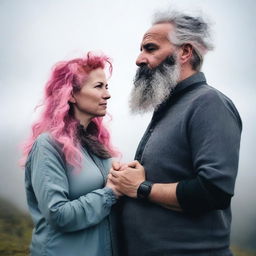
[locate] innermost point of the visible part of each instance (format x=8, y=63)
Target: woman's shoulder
x=45, y=147
x=47, y=143
x=45, y=139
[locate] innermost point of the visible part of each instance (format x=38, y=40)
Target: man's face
x=158, y=72
x=155, y=46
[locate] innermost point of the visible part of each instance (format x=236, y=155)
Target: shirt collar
x=181, y=87
x=196, y=78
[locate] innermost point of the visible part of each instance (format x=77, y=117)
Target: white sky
x=36, y=34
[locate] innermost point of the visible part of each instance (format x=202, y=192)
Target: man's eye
x=150, y=49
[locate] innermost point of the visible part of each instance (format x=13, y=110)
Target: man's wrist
x=144, y=189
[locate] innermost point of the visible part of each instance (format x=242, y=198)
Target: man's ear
x=72, y=99
x=186, y=53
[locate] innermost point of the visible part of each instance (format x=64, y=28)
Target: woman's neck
x=85, y=122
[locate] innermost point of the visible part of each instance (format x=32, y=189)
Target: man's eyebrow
x=148, y=45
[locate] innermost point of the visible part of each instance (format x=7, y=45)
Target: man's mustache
x=144, y=72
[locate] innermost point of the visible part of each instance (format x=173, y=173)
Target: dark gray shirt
x=196, y=132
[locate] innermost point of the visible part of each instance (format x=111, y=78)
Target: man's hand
x=128, y=178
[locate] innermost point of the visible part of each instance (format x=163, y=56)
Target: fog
x=37, y=34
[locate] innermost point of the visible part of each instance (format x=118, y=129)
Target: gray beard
x=148, y=94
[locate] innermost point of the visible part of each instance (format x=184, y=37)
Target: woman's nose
x=106, y=95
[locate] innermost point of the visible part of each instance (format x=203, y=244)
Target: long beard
x=153, y=86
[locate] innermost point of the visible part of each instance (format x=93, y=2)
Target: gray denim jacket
x=70, y=210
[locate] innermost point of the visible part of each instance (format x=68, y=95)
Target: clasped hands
x=124, y=179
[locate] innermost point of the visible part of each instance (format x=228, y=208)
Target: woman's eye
x=101, y=86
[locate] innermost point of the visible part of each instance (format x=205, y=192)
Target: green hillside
x=15, y=230
x=16, y=227
x=240, y=252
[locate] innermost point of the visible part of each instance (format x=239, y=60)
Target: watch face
x=144, y=189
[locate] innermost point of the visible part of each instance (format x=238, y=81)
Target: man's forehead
x=158, y=32
x=154, y=36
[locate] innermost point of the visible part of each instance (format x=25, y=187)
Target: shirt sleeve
x=197, y=196
x=214, y=131
x=51, y=188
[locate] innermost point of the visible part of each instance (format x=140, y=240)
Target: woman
x=67, y=160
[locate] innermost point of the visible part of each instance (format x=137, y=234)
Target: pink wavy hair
x=56, y=118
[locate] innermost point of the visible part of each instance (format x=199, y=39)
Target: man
x=178, y=192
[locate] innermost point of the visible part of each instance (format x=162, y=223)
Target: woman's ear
x=72, y=99
x=186, y=52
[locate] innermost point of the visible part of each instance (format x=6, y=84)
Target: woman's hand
x=110, y=184
x=117, y=166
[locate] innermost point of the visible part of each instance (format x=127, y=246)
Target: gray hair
x=188, y=30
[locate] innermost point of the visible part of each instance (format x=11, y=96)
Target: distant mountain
x=15, y=230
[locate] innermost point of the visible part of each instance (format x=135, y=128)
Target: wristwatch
x=144, y=189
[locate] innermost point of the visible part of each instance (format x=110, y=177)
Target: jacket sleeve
x=214, y=131
x=51, y=188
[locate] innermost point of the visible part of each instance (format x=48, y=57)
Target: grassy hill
x=16, y=227
x=15, y=230
x=240, y=252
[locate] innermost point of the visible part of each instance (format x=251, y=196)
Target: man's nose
x=141, y=60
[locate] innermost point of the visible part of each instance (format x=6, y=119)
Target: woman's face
x=91, y=100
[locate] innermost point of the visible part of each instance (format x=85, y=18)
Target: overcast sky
x=37, y=34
